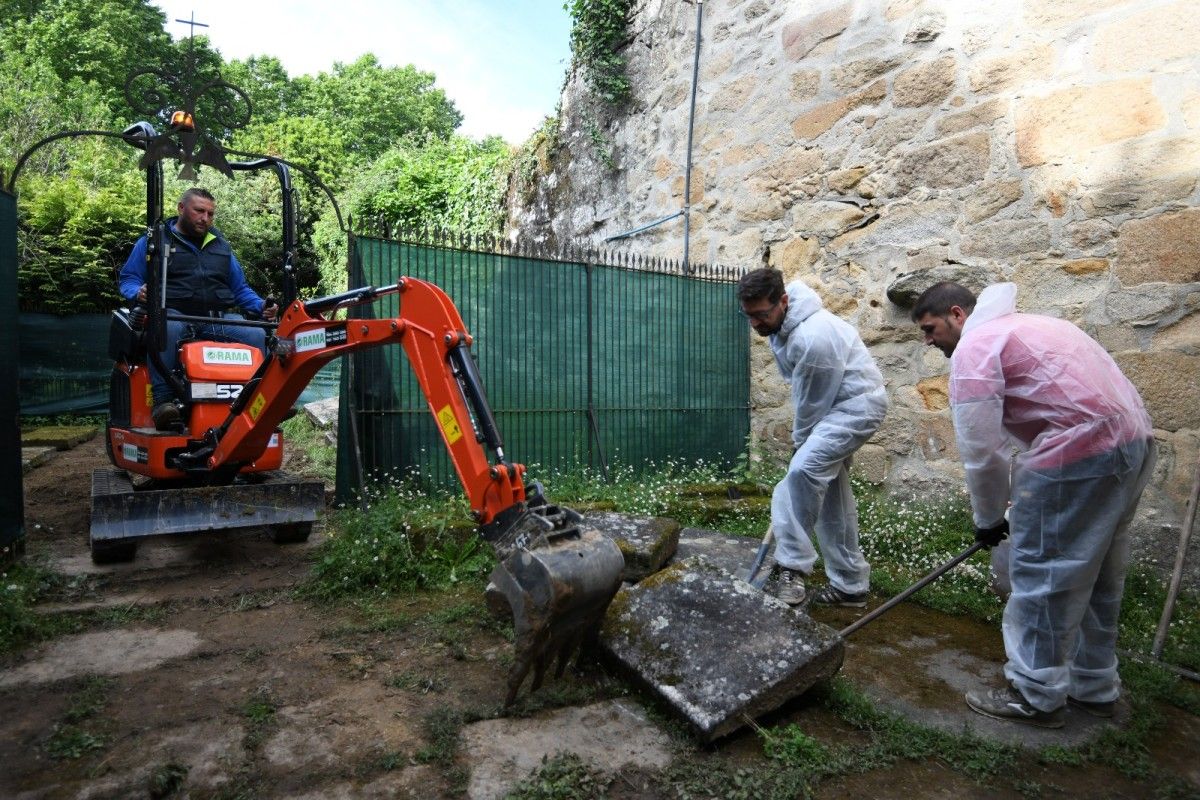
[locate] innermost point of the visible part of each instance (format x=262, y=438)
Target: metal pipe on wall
x=687, y=174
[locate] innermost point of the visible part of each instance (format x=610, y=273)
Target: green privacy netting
x=584, y=364
x=65, y=366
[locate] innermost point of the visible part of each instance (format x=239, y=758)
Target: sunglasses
x=760, y=316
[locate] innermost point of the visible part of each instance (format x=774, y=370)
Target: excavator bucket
x=557, y=586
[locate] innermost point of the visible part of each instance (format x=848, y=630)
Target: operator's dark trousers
x=176, y=330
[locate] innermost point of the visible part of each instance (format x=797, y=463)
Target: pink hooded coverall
x=1085, y=452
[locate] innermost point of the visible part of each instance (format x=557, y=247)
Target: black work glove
x=992, y=536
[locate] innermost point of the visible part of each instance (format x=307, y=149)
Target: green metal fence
x=588, y=361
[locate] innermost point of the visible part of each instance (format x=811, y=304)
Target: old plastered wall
x=870, y=148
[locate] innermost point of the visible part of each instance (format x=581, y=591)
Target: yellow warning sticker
x=149, y=396
x=449, y=425
x=256, y=406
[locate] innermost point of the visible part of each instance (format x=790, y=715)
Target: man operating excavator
x=204, y=279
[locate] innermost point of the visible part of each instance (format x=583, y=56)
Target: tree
x=272, y=93
x=373, y=107
x=94, y=41
x=77, y=228
x=455, y=185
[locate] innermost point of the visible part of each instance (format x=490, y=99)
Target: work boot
x=1102, y=710
x=791, y=586
x=1009, y=704
x=166, y=416
x=832, y=596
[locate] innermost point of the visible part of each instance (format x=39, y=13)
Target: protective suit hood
x=803, y=302
x=994, y=301
x=837, y=391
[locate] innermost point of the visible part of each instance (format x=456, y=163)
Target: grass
x=167, y=779
x=77, y=734
x=258, y=711
x=563, y=777
x=319, y=456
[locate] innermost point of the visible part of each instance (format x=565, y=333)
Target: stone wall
x=870, y=147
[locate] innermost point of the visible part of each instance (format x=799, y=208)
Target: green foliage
x=404, y=539
x=258, y=711
x=375, y=106
x=420, y=683
x=1144, y=599
x=598, y=33
x=71, y=739
x=98, y=42
x=89, y=700
x=320, y=457
x=563, y=777
x=77, y=230
x=21, y=586
x=70, y=742
x=893, y=737
x=272, y=93
x=441, y=728
x=533, y=158
x=453, y=185
x=601, y=146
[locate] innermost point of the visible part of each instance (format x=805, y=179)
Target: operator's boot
x=166, y=416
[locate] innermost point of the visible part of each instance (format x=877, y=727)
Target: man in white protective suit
x=839, y=401
x=1085, y=450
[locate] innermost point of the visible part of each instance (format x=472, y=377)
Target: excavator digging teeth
x=557, y=591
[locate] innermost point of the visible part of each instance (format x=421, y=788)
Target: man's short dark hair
x=938, y=299
x=196, y=191
x=759, y=283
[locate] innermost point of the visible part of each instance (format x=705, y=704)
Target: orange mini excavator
x=220, y=469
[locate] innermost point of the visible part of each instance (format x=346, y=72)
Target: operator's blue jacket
x=199, y=279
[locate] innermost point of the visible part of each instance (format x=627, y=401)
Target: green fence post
x=12, y=494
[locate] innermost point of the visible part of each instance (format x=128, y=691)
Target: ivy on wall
x=598, y=31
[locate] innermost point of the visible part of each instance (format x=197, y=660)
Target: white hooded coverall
x=839, y=400
x=1086, y=450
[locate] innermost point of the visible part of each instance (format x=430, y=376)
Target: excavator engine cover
x=557, y=585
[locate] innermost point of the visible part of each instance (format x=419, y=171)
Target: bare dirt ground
x=199, y=673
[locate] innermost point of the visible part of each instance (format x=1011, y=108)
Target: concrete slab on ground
x=729, y=552
x=609, y=736
x=33, y=457
x=716, y=650
x=647, y=543
x=915, y=661
x=919, y=664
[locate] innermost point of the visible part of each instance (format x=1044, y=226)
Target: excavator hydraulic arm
x=555, y=577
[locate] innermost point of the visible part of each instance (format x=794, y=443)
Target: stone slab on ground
x=323, y=413
x=60, y=437
x=716, y=650
x=33, y=457
x=647, y=543
x=728, y=551
x=919, y=663
x=609, y=736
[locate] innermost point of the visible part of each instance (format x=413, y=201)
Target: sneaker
x=1102, y=710
x=833, y=596
x=1009, y=704
x=791, y=586
x=166, y=416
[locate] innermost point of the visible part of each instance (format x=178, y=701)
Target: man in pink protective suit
x=1085, y=451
